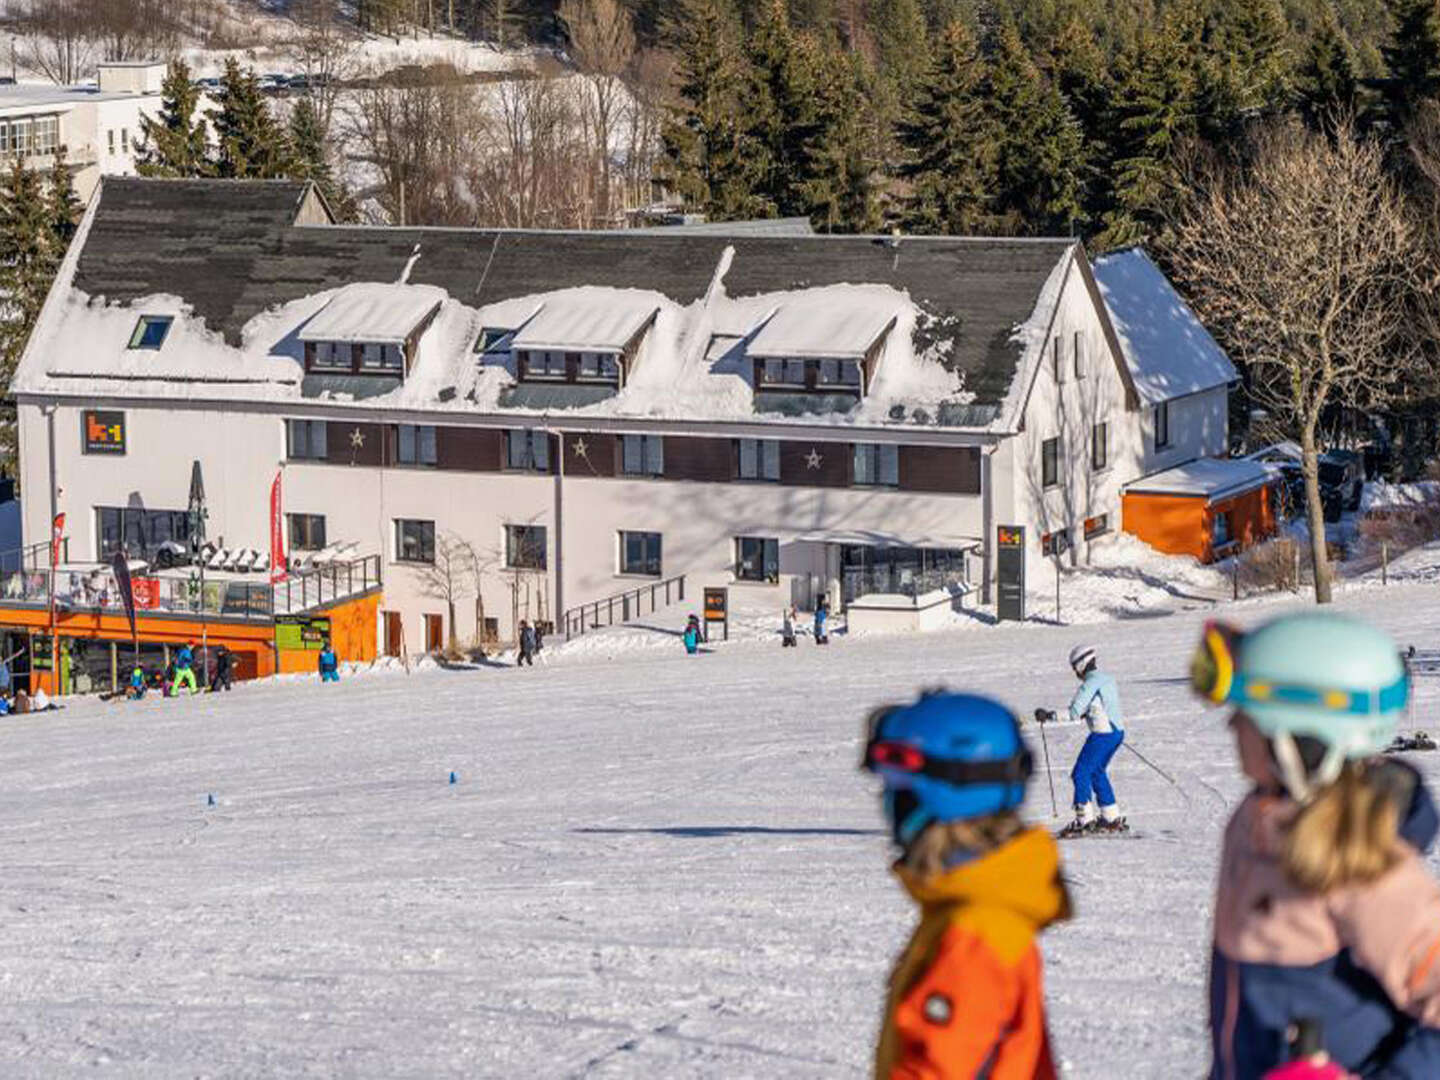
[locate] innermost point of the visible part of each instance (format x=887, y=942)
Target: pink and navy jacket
x=1362, y=961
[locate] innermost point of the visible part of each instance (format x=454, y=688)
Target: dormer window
x=592, y=339
x=829, y=376
x=375, y=356
x=844, y=373
x=494, y=339
x=826, y=349
x=150, y=331
x=542, y=364
x=370, y=329
x=599, y=367
x=331, y=356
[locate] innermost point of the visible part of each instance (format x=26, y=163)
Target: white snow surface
x=840, y=322
x=650, y=864
x=372, y=311
x=1381, y=497
x=1169, y=353
x=1213, y=478
x=589, y=318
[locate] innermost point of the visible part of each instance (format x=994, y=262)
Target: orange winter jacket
x=966, y=998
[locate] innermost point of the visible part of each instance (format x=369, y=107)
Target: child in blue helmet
x=966, y=996
x=1325, y=912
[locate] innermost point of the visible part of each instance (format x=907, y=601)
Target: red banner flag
x=277, y=534
x=57, y=534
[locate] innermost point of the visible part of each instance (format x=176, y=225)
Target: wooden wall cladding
x=948, y=470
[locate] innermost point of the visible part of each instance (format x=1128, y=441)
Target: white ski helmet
x=1081, y=658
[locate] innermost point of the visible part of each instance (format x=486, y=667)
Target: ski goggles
x=894, y=756
x=1216, y=676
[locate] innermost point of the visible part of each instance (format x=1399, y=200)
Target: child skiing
x=787, y=628
x=692, y=635
x=328, y=664
x=1098, y=702
x=1324, y=911
x=185, y=669
x=966, y=996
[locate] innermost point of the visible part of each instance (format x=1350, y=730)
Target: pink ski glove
x=1308, y=1070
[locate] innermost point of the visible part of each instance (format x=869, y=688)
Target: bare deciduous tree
x=1305, y=265
x=326, y=51
x=446, y=579
x=55, y=37
x=534, y=171
x=602, y=43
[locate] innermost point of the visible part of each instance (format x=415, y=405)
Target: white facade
x=99, y=126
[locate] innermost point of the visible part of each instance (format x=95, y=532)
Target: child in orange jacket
x=966, y=996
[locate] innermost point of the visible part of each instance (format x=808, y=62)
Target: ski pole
x=1152, y=765
x=1045, y=748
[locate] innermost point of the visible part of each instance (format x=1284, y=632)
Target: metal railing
x=622, y=607
x=92, y=587
x=327, y=584
x=898, y=581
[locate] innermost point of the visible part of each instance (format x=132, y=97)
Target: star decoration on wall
x=357, y=439
x=813, y=459
x=579, y=447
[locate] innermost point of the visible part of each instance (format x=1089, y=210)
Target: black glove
x=1044, y=716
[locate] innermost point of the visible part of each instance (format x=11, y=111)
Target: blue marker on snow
x=211, y=800
x=453, y=778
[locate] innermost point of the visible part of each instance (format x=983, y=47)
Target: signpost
x=301, y=632
x=717, y=609
x=197, y=515
x=1010, y=572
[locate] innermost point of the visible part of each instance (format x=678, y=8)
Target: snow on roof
x=591, y=317
x=1209, y=478
x=1283, y=452
x=372, y=312
x=1169, y=352
x=1380, y=497
x=841, y=321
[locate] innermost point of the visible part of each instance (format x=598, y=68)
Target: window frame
x=303, y=538
x=651, y=451
x=650, y=566
x=335, y=364
x=1057, y=359
x=1100, y=446
x=1097, y=526
x=142, y=332
x=426, y=525
x=767, y=453
x=424, y=446
x=310, y=427
x=768, y=545
x=532, y=462
x=1050, y=463
x=1077, y=349
x=513, y=545
x=1161, y=422
x=883, y=468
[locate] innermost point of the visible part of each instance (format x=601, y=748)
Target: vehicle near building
x=1342, y=482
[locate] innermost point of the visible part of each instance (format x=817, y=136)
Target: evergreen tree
x=30, y=251
x=784, y=110
x=173, y=142
x=902, y=45
x=251, y=144
x=1327, y=83
x=1080, y=71
x=1154, y=110
x=946, y=142
x=840, y=189
x=708, y=155
x=310, y=161
x=1412, y=57
x=1039, y=147
x=62, y=207
x=1241, y=66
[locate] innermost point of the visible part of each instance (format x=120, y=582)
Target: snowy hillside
x=653, y=866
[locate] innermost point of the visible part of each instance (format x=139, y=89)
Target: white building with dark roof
x=591, y=414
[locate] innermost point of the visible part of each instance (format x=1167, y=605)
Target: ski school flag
x=120, y=566
x=277, y=535
x=57, y=534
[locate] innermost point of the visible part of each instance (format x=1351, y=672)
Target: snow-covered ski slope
x=656, y=866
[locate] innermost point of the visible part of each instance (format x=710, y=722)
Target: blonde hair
x=1347, y=834
x=931, y=850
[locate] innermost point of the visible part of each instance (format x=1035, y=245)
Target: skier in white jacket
x=1097, y=702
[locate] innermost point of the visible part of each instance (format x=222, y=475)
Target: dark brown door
x=394, y=638
x=434, y=633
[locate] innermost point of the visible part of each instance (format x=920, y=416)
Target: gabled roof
x=595, y=318
x=1169, y=353
x=841, y=324
x=374, y=313
x=231, y=251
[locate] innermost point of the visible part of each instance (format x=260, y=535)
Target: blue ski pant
x=1089, y=771
x=329, y=675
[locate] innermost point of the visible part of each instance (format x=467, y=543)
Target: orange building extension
x=1185, y=524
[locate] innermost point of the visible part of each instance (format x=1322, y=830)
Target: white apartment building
x=98, y=125
x=583, y=414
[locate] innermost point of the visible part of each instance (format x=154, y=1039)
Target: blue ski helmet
x=948, y=757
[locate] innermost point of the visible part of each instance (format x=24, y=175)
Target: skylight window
x=150, y=331
x=493, y=339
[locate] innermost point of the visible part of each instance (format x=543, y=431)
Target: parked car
x=1342, y=481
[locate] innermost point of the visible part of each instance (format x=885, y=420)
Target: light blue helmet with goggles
x=1317, y=675
x=948, y=757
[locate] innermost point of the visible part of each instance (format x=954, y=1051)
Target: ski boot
x=1111, y=826
x=1081, y=826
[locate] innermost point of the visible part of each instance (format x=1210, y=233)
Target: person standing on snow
x=1325, y=910
x=966, y=997
x=787, y=628
x=527, y=645
x=223, y=661
x=185, y=669
x=1097, y=702
x=692, y=635
x=328, y=664
x=822, y=614
x=137, y=684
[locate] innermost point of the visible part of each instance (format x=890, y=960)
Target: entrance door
x=394, y=636
x=434, y=633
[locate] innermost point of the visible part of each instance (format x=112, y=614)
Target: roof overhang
x=873, y=538
x=373, y=313
x=1211, y=479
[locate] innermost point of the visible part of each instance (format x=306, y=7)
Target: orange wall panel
x=1174, y=524
x=352, y=635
